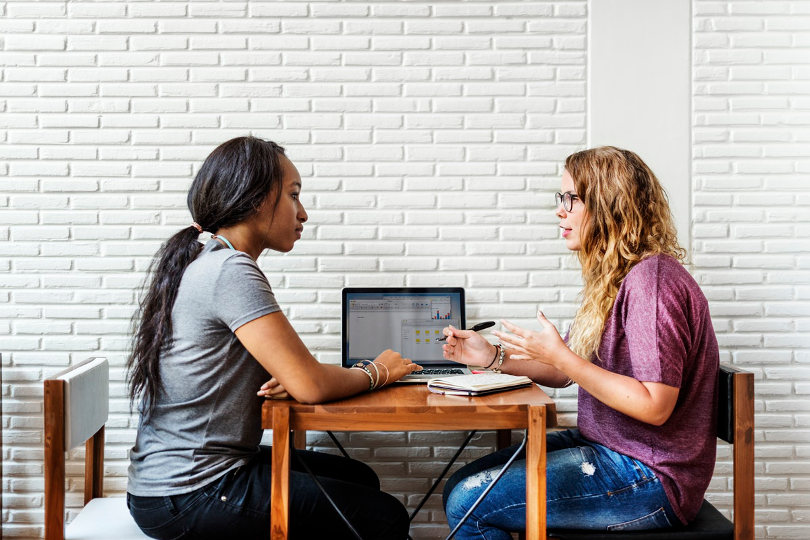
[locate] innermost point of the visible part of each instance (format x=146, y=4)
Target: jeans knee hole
x=477, y=480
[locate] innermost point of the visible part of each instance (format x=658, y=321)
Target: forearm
x=275, y=344
x=540, y=373
x=622, y=393
x=334, y=382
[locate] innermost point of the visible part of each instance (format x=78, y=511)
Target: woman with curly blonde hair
x=642, y=350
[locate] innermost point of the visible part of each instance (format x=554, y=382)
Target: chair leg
x=94, y=466
x=744, y=456
x=54, y=460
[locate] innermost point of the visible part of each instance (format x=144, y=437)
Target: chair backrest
x=76, y=408
x=735, y=424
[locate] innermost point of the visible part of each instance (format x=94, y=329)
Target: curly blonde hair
x=628, y=219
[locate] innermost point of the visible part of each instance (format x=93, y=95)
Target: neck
x=241, y=240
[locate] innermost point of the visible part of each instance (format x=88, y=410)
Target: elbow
x=311, y=395
x=309, y=400
x=658, y=418
x=315, y=390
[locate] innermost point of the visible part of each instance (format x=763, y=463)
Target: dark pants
x=238, y=504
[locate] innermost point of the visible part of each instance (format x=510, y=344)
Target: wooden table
x=414, y=408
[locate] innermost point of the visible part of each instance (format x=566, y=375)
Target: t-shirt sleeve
x=242, y=292
x=656, y=327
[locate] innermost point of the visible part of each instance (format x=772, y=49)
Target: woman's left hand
x=272, y=389
x=542, y=346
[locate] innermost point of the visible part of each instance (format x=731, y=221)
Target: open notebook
x=477, y=385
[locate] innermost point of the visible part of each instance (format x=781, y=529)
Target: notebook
x=405, y=319
x=477, y=385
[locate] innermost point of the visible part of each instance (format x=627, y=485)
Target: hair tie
x=197, y=226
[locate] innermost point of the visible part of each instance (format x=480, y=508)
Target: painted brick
x=427, y=135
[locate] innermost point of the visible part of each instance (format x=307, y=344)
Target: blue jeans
x=237, y=505
x=588, y=487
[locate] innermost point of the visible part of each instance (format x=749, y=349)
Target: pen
x=477, y=328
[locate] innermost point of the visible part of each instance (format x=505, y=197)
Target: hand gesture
x=392, y=364
x=543, y=346
x=467, y=347
x=272, y=389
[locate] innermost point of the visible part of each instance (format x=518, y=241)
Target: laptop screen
x=407, y=320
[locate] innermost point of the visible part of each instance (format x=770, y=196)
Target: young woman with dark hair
x=208, y=335
x=643, y=352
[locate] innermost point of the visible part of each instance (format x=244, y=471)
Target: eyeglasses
x=567, y=199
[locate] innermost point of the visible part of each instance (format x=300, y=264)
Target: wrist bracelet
x=387, y=373
x=367, y=372
x=377, y=372
x=501, y=356
x=497, y=349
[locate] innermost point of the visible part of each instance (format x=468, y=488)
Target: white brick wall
x=750, y=178
x=430, y=137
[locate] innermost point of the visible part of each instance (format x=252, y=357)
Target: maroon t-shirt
x=659, y=330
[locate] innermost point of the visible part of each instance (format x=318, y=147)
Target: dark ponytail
x=233, y=182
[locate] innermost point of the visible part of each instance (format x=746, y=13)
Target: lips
x=565, y=231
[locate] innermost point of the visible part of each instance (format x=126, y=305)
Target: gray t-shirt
x=208, y=418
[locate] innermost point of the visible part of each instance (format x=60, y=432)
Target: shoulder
x=213, y=262
x=214, y=254
x=666, y=278
x=660, y=269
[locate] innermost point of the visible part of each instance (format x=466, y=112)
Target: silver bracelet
x=370, y=376
x=387, y=374
x=377, y=371
x=501, y=356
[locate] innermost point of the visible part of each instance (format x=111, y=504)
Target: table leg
x=280, y=483
x=536, y=475
x=503, y=439
x=300, y=439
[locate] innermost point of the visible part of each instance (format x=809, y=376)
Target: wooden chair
x=735, y=425
x=76, y=409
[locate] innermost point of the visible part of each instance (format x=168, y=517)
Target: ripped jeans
x=588, y=487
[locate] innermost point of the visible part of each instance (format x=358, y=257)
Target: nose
x=302, y=214
x=560, y=213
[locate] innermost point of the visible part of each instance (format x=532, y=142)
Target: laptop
x=407, y=320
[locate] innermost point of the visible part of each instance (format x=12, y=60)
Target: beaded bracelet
x=371, y=382
x=376, y=372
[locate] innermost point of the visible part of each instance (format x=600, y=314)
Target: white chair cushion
x=105, y=518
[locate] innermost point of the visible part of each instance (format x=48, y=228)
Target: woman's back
x=206, y=419
x=660, y=330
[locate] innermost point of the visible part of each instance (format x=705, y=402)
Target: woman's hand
x=467, y=347
x=392, y=364
x=272, y=389
x=543, y=346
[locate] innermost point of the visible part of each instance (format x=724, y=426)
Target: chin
x=282, y=248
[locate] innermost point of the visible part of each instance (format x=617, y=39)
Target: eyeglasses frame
x=566, y=199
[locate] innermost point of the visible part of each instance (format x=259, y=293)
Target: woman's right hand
x=396, y=366
x=467, y=347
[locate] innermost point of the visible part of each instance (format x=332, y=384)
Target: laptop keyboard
x=440, y=371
